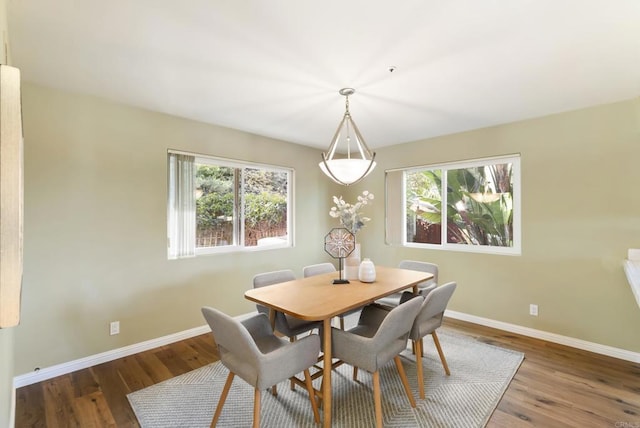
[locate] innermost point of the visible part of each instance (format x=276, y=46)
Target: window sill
x=237, y=249
x=478, y=249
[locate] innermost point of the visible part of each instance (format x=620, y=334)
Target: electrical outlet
x=114, y=328
x=533, y=310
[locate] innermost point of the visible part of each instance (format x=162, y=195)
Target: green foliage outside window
x=269, y=209
x=264, y=198
x=479, y=208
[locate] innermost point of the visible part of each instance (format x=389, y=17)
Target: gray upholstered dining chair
x=394, y=299
x=319, y=269
x=378, y=338
x=428, y=320
x=285, y=324
x=250, y=350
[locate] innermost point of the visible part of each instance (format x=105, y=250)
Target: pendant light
x=355, y=166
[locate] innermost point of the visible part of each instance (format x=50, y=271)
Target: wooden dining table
x=316, y=298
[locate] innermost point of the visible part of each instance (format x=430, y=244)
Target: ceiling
x=274, y=67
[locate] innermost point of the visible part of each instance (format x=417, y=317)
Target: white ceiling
x=274, y=67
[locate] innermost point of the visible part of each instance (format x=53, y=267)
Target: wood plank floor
x=556, y=386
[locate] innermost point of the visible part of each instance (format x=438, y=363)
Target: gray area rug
x=480, y=374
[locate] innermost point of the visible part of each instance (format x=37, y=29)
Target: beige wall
x=580, y=214
x=95, y=221
x=95, y=227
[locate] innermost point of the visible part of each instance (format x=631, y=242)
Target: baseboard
x=83, y=363
x=610, y=351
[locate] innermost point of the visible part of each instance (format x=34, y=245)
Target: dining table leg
x=326, y=375
x=272, y=318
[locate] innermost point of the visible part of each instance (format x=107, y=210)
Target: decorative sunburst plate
x=339, y=242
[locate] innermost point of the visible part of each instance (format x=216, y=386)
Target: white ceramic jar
x=367, y=271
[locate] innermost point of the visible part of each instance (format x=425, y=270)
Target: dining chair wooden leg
x=320, y=400
x=442, y=358
x=376, y=398
x=414, y=344
x=405, y=382
x=223, y=398
x=312, y=396
x=292, y=385
x=355, y=373
x=419, y=370
x=256, y=408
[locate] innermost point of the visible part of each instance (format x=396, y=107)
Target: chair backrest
x=232, y=338
x=270, y=278
x=397, y=324
x=274, y=277
x=318, y=269
x=433, y=308
x=422, y=267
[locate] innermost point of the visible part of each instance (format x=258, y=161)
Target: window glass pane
x=472, y=205
x=220, y=205
x=480, y=205
x=423, y=196
x=265, y=207
x=214, y=205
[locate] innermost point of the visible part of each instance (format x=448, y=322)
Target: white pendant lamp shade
x=354, y=167
x=347, y=171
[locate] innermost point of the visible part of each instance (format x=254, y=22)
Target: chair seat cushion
x=298, y=326
x=392, y=300
x=395, y=299
x=352, y=311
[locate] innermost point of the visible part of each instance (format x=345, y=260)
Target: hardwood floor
x=556, y=386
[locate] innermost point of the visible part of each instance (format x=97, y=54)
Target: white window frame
x=394, y=229
x=239, y=228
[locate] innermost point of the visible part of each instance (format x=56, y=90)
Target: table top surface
x=317, y=298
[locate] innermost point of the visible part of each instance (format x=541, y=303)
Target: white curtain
x=181, y=206
x=394, y=221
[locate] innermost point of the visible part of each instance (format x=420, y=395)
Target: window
x=223, y=205
x=464, y=206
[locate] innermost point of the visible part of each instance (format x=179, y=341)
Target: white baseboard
x=83, y=363
x=610, y=351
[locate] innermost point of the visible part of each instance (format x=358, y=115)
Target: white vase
x=367, y=271
x=352, y=264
